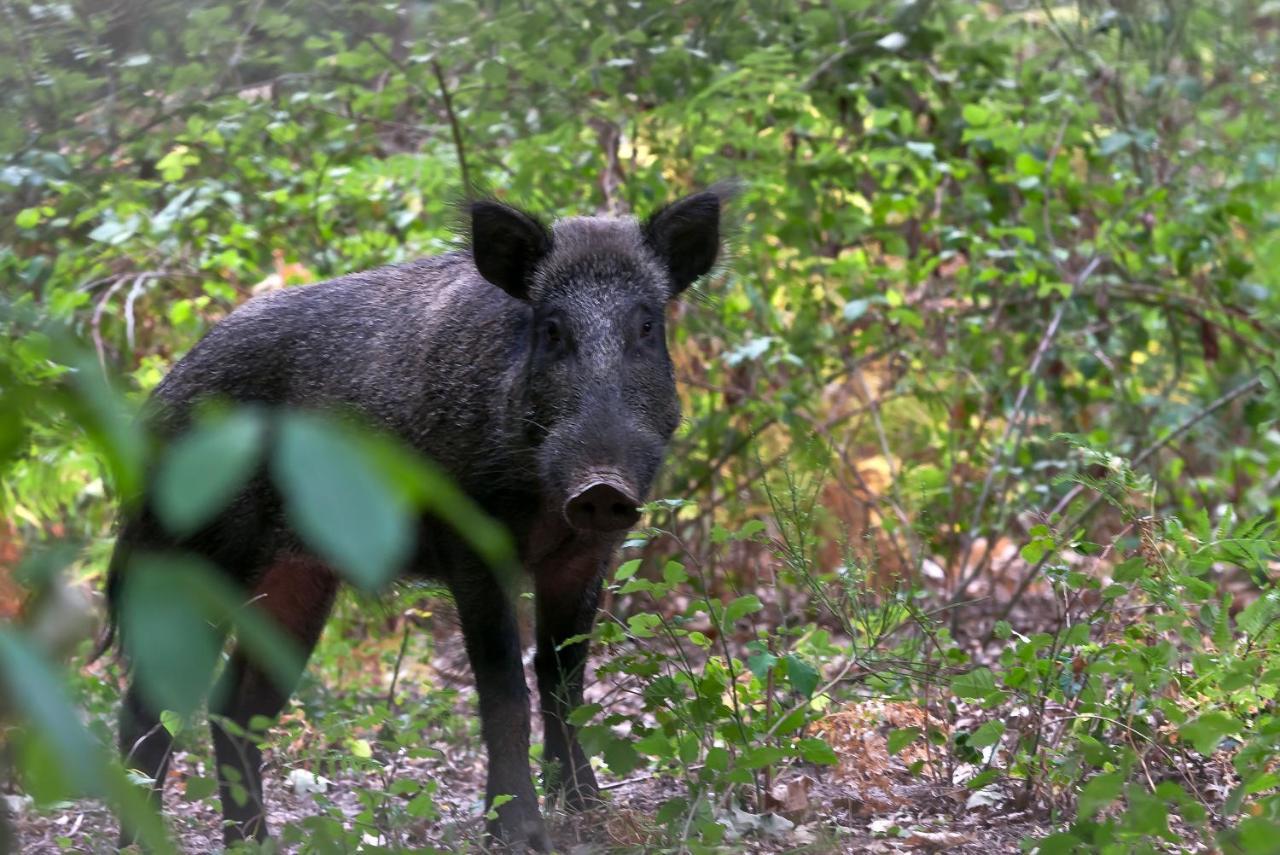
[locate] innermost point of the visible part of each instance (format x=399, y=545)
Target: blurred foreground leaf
x=338, y=502
x=176, y=611
x=202, y=471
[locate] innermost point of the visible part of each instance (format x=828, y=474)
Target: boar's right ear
x=507, y=244
x=685, y=235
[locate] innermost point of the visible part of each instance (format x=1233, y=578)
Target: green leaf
x=927, y=150
x=115, y=232
x=978, y=683
x=583, y=714
x=168, y=632
x=338, y=501
x=621, y=756
x=626, y=570
x=975, y=114
x=815, y=750
x=742, y=607
x=498, y=801
x=1061, y=843
x=803, y=676
x=172, y=722
x=988, y=734
x=422, y=485
x=1035, y=550
x=762, y=755
x=201, y=472
x=644, y=625
x=27, y=218
x=175, y=612
x=198, y=788
x=760, y=663
x=901, y=738
x=1101, y=791
x=37, y=692
x=1206, y=731
x=673, y=573
x=671, y=810
x=1026, y=164
x=1114, y=143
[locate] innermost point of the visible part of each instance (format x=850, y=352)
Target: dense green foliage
x=980, y=410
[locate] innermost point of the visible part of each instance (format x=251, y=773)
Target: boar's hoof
x=523, y=835
x=604, y=503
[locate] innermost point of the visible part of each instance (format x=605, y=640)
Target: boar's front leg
x=492, y=638
x=566, y=604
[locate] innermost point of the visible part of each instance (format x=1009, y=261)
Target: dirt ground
x=870, y=802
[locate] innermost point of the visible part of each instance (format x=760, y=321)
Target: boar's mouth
x=604, y=502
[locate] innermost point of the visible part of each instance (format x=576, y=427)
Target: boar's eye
x=553, y=333
x=646, y=329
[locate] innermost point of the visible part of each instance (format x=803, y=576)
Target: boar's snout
x=602, y=502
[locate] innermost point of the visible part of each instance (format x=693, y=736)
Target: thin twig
x=95, y=322
x=134, y=292
x=456, y=130
x=395, y=673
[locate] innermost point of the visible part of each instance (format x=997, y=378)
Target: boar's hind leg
x=566, y=608
x=145, y=745
x=489, y=630
x=296, y=593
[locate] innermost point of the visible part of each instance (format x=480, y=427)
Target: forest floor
x=870, y=802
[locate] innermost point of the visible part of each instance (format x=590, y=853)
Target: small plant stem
x=455, y=129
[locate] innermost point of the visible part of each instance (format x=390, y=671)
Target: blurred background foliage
x=984, y=254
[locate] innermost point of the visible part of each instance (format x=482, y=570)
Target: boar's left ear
x=685, y=236
x=507, y=244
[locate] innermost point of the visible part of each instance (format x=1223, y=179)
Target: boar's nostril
x=602, y=505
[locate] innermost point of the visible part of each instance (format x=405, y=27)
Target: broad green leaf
x=741, y=607
x=168, y=632
x=803, y=676
x=583, y=714
x=198, y=788
x=762, y=755
x=977, y=683
x=201, y=472
x=339, y=502
x=1101, y=791
x=626, y=570
x=1206, y=731
x=175, y=612
x=900, y=738
x=172, y=722
x=760, y=662
x=37, y=693
x=621, y=756
x=988, y=734
x=815, y=750
x=1114, y=143
x=421, y=484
